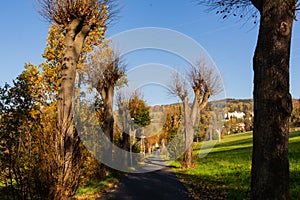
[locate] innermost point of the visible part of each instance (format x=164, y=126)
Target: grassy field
x=225, y=172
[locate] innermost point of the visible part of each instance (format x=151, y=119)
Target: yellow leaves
x=94, y=38
x=55, y=44
x=42, y=83
x=34, y=114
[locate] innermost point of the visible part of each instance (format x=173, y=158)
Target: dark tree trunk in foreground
x=272, y=101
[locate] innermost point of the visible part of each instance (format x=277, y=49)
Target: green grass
x=294, y=158
x=94, y=188
x=225, y=172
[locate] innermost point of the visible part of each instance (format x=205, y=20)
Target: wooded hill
x=159, y=114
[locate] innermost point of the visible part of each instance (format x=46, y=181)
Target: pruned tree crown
x=89, y=12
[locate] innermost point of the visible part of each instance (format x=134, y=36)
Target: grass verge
x=225, y=172
x=95, y=188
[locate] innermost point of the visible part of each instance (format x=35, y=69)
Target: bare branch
x=236, y=8
x=204, y=79
x=105, y=67
x=179, y=86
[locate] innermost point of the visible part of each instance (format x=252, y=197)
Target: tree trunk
x=272, y=102
x=188, y=134
x=126, y=136
x=125, y=117
x=187, y=157
x=107, y=94
x=67, y=142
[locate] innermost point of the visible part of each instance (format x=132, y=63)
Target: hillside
x=218, y=110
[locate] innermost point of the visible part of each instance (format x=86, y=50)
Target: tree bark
x=126, y=136
x=108, y=112
x=67, y=142
x=272, y=102
x=124, y=115
x=188, y=133
x=190, y=120
x=107, y=94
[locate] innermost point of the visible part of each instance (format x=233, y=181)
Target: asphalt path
x=156, y=185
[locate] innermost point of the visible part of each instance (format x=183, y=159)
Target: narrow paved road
x=157, y=185
x=160, y=183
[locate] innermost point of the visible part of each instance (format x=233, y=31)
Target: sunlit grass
x=94, y=188
x=294, y=158
x=225, y=172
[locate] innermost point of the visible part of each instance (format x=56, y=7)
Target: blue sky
x=230, y=43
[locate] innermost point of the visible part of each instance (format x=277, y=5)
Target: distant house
x=235, y=114
x=241, y=126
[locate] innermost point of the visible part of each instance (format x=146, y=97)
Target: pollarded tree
x=272, y=99
x=106, y=71
x=80, y=20
x=205, y=82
